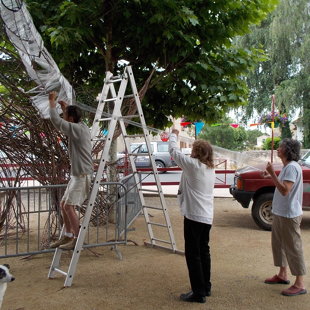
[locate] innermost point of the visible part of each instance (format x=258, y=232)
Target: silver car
x=160, y=151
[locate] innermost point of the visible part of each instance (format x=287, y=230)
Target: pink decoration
x=164, y=136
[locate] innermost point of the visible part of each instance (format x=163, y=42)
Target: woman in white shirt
x=196, y=204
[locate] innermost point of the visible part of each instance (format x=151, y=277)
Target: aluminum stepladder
x=109, y=94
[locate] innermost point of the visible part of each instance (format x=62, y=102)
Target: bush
x=267, y=143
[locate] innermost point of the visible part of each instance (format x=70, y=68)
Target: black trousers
x=197, y=254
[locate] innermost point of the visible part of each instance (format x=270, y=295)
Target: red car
x=250, y=185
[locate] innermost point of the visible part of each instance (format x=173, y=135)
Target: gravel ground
x=150, y=278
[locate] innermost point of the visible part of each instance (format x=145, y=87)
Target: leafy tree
x=185, y=45
x=285, y=36
x=228, y=137
x=252, y=136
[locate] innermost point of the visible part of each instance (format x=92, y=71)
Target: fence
x=224, y=177
x=30, y=217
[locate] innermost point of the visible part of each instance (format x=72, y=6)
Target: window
x=143, y=148
x=162, y=147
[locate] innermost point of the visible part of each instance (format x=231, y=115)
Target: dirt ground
x=150, y=278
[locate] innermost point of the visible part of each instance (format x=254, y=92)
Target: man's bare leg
x=74, y=223
x=65, y=218
x=74, y=226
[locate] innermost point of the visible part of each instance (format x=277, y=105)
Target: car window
x=143, y=148
x=162, y=147
x=305, y=160
x=134, y=147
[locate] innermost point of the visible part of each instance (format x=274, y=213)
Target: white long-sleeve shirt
x=196, y=189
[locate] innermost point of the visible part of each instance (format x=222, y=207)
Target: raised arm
x=182, y=160
x=57, y=121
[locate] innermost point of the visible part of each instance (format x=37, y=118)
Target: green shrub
x=267, y=143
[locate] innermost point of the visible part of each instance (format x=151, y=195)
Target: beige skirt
x=77, y=190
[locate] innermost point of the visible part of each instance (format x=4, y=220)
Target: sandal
x=276, y=280
x=294, y=291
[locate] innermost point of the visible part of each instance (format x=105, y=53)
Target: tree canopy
x=224, y=135
x=185, y=46
x=285, y=37
x=198, y=72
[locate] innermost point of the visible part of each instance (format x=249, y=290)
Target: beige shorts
x=77, y=190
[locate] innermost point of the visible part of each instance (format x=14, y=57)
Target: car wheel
x=160, y=164
x=261, y=210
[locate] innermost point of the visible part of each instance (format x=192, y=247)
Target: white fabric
x=196, y=188
x=39, y=64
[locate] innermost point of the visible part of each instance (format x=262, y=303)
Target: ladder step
x=98, y=139
x=139, y=154
x=160, y=240
x=145, y=171
x=157, y=224
x=60, y=271
x=130, y=116
x=129, y=96
x=164, y=248
x=109, y=100
x=103, y=119
x=154, y=208
x=134, y=136
x=115, y=79
x=148, y=190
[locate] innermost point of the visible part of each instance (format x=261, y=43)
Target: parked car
x=161, y=155
x=160, y=151
x=249, y=185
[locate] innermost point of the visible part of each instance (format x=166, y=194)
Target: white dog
x=5, y=277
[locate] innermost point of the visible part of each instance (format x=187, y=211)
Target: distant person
x=81, y=168
x=196, y=203
x=287, y=215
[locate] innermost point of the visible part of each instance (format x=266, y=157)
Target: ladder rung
x=60, y=271
x=103, y=119
x=115, y=79
x=98, y=139
x=160, y=240
x=130, y=116
x=154, y=208
x=139, y=154
x=145, y=172
x=109, y=100
x=148, y=190
x=163, y=247
x=157, y=224
x=134, y=136
x=129, y=96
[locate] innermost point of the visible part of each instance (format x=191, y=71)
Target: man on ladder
x=115, y=96
x=81, y=168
